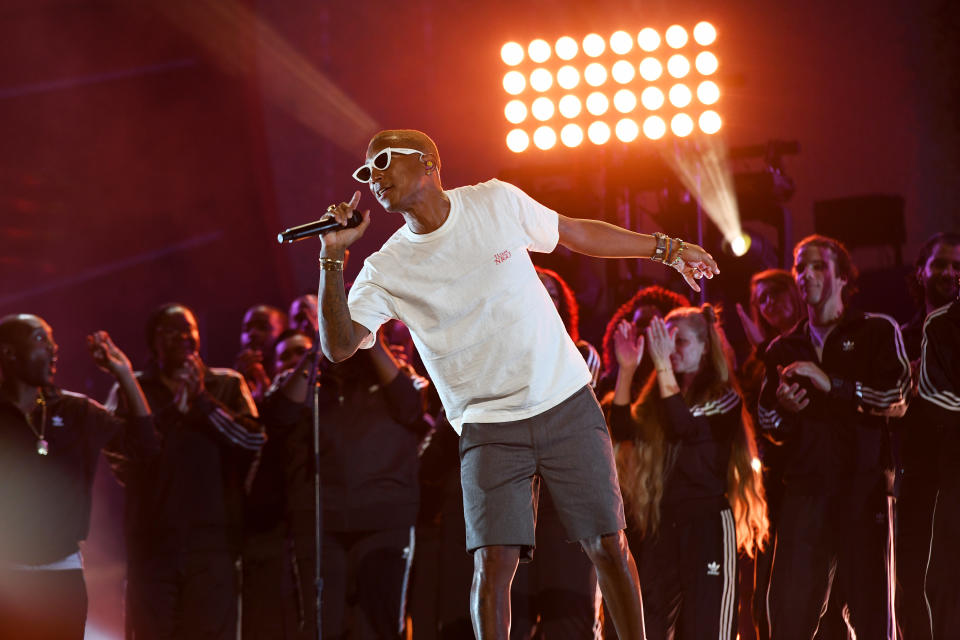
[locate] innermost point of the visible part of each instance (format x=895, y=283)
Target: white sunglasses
x=381, y=161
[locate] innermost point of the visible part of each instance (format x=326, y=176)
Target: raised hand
x=335, y=243
x=753, y=332
x=107, y=355
x=628, y=345
x=190, y=379
x=661, y=342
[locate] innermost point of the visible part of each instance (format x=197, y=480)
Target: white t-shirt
x=484, y=325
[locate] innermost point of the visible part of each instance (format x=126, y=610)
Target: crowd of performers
x=810, y=491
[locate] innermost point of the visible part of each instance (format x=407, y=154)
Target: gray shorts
x=502, y=463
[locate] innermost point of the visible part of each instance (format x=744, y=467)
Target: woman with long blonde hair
x=686, y=473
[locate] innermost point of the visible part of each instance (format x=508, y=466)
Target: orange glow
x=708, y=92
x=566, y=48
x=571, y=135
x=542, y=108
x=594, y=45
x=511, y=53
x=707, y=63
x=652, y=98
x=568, y=77
x=678, y=66
x=627, y=130
x=539, y=50
x=570, y=106
x=704, y=33
x=680, y=95
x=595, y=74
x=654, y=127
x=518, y=140
x=514, y=83
x=598, y=132
x=623, y=71
x=625, y=100
x=710, y=122
x=650, y=69
x=541, y=80
x=597, y=103
x=676, y=36
x=648, y=39
x=621, y=42
x=544, y=137
x=515, y=111
x=681, y=125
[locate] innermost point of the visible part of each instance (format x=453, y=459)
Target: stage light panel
x=518, y=140
x=571, y=135
x=544, y=137
x=515, y=112
x=568, y=77
x=511, y=54
x=598, y=132
x=539, y=50
x=680, y=95
x=570, y=106
x=706, y=63
x=595, y=74
x=623, y=71
x=678, y=66
x=650, y=69
x=708, y=92
x=570, y=87
x=621, y=42
x=542, y=108
x=566, y=48
x=627, y=130
x=648, y=39
x=681, y=125
x=676, y=36
x=514, y=83
x=654, y=127
x=541, y=80
x=625, y=101
x=597, y=103
x=704, y=33
x=710, y=122
x=652, y=98
x=594, y=45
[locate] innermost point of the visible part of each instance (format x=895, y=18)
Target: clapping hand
x=628, y=345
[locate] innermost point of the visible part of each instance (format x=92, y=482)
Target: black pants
x=688, y=577
x=559, y=587
x=943, y=585
x=43, y=605
x=182, y=596
x=914, y=528
x=829, y=543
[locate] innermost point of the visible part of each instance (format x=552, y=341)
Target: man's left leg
x=493, y=570
x=619, y=582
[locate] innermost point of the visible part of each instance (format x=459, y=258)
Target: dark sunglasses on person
x=381, y=161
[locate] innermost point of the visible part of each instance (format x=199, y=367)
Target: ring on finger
x=331, y=208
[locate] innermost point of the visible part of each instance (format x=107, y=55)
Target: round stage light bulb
x=595, y=74
x=676, y=36
x=594, y=45
x=541, y=80
x=681, y=125
x=625, y=100
x=680, y=95
x=570, y=106
x=571, y=135
x=627, y=130
x=511, y=53
x=514, y=83
x=707, y=63
x=739, y=245
x=654, y=127
x=598, y=132
x=650, y=69
x=518, y=140
x=623, y=71
x=542, y=108
x=648, y=39
x=597, y=103
x=708, y=92
x=710, y=122
x=515, y=111
x=544, y=137
x=651, y=98
x=704, y=33
x=566, y=48
x=568, y=77
x=678, y=66
x=621, y=42
x=539, y=50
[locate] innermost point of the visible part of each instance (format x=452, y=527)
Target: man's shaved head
x=409, y=138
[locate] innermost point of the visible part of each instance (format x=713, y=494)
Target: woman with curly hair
x=686, y=472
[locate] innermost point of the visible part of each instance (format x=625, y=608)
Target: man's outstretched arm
x=604, y=240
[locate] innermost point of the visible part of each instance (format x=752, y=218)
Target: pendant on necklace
x=43, y=447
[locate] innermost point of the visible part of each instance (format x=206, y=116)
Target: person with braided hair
x=686, y=474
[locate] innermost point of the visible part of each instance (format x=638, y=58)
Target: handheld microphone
x=318, y=228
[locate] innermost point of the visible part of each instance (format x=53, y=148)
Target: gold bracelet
x=331, y=264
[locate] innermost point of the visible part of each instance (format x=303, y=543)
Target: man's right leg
x=493, y=570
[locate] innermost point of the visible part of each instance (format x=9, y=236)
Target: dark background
x=150, y=151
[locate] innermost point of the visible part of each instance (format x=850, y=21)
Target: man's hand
x=792, y=397
x=334, y=243
x=695, y=263
x=628, y=345
x=106, y=354
x=190, y=378
x=249, y=362
x=806, y=369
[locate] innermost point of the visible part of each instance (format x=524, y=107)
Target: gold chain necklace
x=43, y=447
